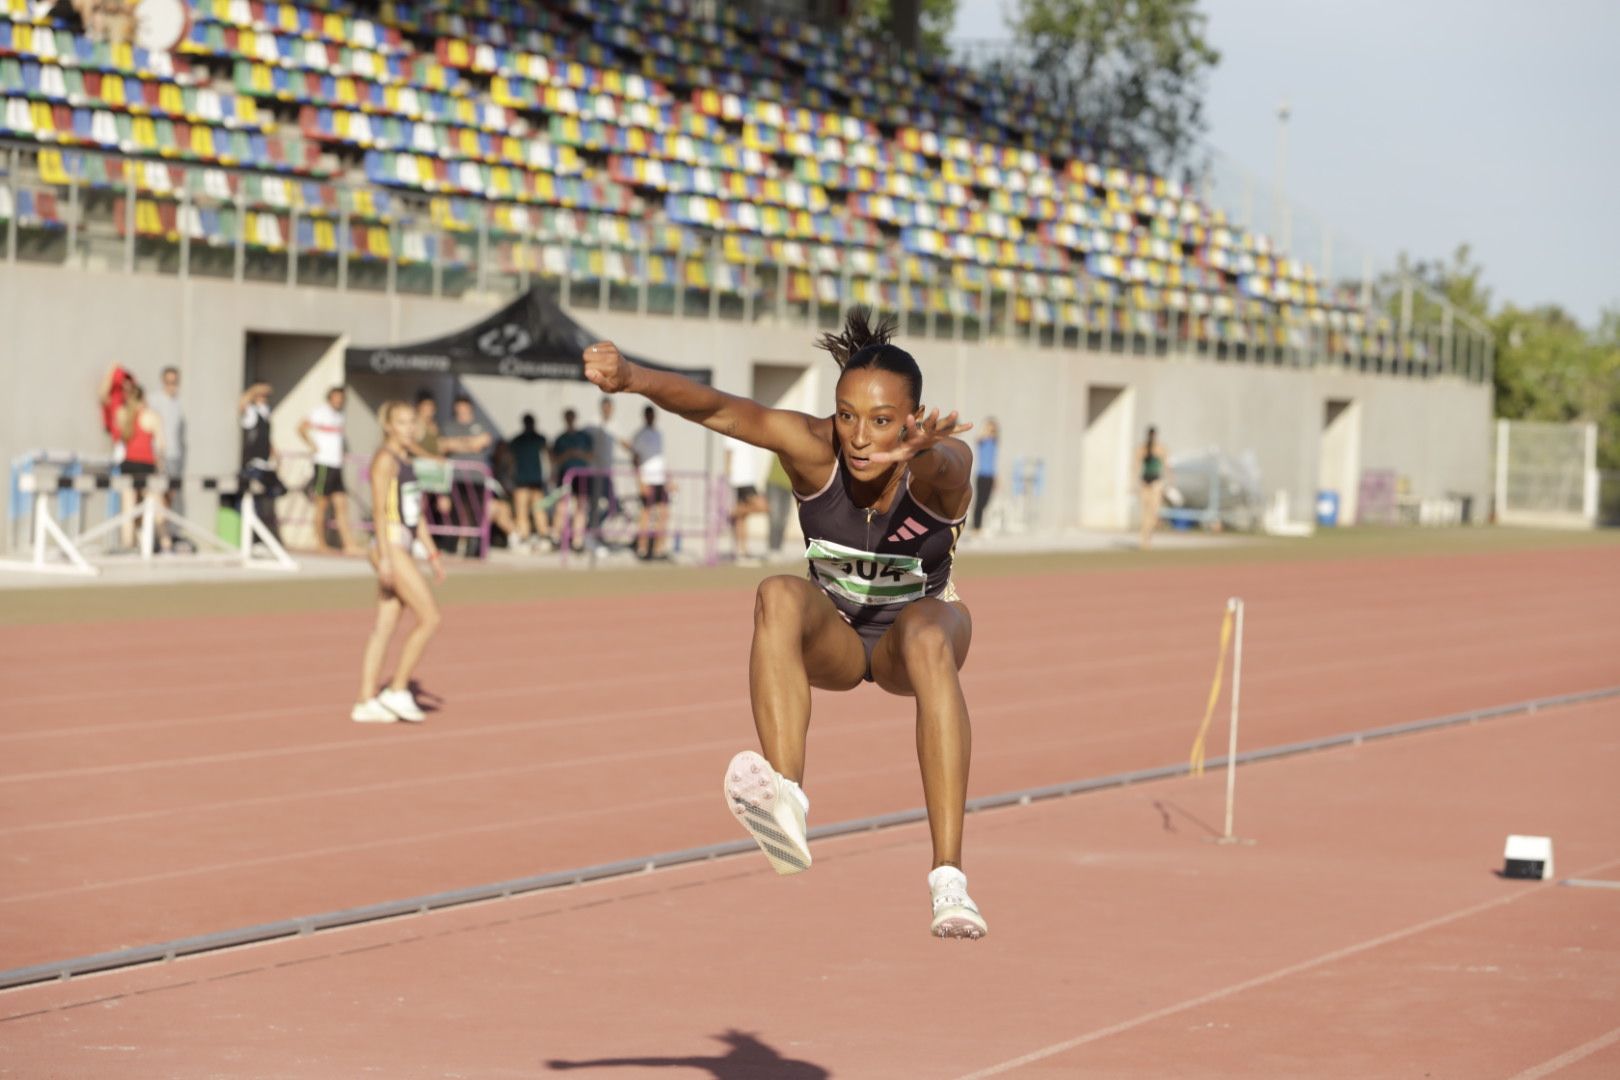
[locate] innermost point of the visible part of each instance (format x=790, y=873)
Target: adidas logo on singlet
x=910, y=529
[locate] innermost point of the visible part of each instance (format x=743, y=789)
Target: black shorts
x=580, y=485
x=137, y=471
x=746, y=493
x=326, y=482
x=656, y=494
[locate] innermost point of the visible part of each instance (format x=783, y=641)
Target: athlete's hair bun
x=858, y=334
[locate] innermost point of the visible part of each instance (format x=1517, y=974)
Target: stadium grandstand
x=685, y=146
x=729, y=162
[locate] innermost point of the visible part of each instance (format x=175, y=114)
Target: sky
x=1420, y=125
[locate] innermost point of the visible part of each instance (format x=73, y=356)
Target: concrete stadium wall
x=60, y=329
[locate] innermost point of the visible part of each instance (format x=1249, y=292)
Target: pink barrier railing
x=698, y=505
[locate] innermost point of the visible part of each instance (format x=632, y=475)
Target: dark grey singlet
x=871, y=569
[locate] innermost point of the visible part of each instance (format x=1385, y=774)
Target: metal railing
x=408, y=251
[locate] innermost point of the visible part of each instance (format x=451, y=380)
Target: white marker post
x=1234, y=605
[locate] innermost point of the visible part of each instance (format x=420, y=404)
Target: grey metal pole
x=714, y=277
x=343, y=245
x=240, y=268
x=393, y=257
x=904, y=305
x=437, y=255
x=13, y=160
x=292, y=246
x=1282, y=220
x=483, y=246
x=184, y=220
x=646, y=271
x=129, y=218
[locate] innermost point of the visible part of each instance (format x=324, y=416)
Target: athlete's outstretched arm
x=789, y=434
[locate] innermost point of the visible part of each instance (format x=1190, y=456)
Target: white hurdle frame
x=149, y=513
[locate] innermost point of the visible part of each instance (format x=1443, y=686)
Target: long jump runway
x=170, y=778
x=179, y=778
x=1362, y=933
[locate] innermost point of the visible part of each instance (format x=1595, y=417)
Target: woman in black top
x=883, y=490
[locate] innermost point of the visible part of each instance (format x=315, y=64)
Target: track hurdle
x=53, y=551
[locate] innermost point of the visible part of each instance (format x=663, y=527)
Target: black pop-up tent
x=530, y=338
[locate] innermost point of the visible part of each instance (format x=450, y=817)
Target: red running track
x=201, y=775
x=1363, y=934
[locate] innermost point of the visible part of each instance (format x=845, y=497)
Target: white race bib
x=866, y=577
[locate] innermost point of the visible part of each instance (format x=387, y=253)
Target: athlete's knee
x=429, y=620
x=778, y=602
x=926, y=642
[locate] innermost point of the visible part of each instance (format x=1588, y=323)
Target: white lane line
x=1281, y=973
x=1570, y=1057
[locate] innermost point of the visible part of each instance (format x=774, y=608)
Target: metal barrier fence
x=190, y=221
x=599, y=511
x=457, y=508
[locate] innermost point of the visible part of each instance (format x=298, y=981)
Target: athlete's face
x=402, y=425
x=872, y=408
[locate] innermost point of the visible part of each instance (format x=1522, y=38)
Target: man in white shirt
x=652, y=476
x=167, y=406
x=323, y=432
x=742, y=470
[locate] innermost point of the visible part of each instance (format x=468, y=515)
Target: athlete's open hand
x=917, y=436
x=607, y=368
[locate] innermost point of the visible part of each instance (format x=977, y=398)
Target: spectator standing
x=603, y=442
x=427, y=422
x=323, y=431
x=742, y=471
x=1154, y=459
x=173, y=417
x=467, y=440
x=985, y=452
x=570, y=451
x=259, y=457
x=529, y=484
x=114, y=386
x=142, y=434
x=652, y=476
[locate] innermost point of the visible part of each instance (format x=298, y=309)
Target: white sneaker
x=371, y=712
x=955, y=913
x=767, y=805
x=402, y=705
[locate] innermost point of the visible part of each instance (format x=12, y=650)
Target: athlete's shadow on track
x=749, y=1059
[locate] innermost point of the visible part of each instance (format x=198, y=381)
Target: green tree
x=933, y=19
x=1131, y=72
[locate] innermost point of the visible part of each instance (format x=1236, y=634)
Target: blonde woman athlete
x=397, y=507
x=883, y=489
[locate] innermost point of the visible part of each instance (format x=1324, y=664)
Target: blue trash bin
x=1327, y=509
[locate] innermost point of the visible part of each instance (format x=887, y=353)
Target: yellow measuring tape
x=1197, y=757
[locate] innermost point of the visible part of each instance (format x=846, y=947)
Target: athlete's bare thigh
x=834, y=658
x=949, y=622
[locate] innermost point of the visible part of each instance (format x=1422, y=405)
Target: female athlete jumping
x=883, y=490
x=396, y=503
